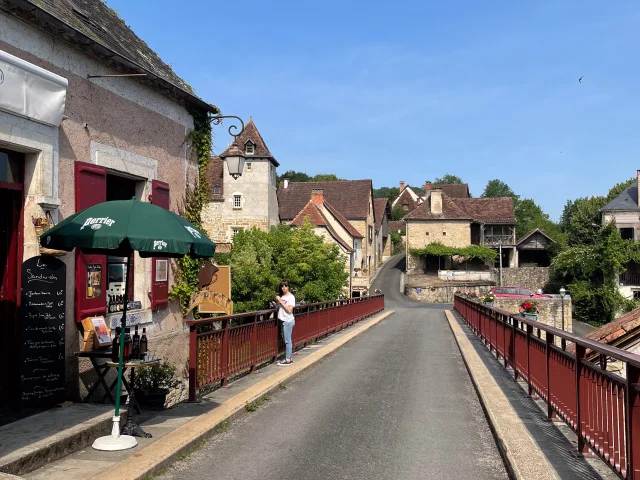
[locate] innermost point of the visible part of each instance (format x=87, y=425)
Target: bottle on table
x=143, y=344
x=115, y=349
x=127, y=344
x=135, y=346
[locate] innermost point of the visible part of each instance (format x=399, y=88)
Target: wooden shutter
x=90, y=189
x=159, y=288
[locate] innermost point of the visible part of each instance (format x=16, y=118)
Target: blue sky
x=411, y=90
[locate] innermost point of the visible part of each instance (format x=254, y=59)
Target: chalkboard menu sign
x=42, y=321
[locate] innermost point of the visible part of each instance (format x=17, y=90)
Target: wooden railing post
x=550, y=340
x=581, y=355
x=193, y=362
x=632, y=424
x=224, y=352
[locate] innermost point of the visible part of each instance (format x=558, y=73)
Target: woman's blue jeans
x=287, y=330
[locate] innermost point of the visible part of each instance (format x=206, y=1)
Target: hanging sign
x=42, y=322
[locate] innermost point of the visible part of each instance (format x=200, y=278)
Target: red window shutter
x=159, y=288
x=90, y=189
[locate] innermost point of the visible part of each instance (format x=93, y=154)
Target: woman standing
x=285, y=314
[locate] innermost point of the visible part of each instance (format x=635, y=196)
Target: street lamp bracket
x=217, y=120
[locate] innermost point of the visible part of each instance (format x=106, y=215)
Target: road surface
x=395, y=403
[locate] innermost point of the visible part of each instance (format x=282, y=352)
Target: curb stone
x=522, y=456
x=184, y=439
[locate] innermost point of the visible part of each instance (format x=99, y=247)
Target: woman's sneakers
x=284, y=363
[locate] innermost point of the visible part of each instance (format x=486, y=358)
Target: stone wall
x=532, y=278
x=550, y=310
x=452, y=233
x=441, y=294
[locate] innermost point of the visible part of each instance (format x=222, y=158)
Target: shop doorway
x=11, y=201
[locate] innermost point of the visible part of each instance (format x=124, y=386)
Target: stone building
x=624, y=210
x=246, y=202
x=383, y=215
x=409, y=199
x=334, y=228
x=460, y=222
x=72, y=136
x=353, y=199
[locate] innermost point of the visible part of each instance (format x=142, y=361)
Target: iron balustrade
x=601, y=407
x=245, y=341
x=630, y=278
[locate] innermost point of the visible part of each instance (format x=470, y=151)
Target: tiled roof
x=349, y=197
x=317, y=218
x=343, y=221
x=405, y=198
x=453, y=190
x=215, y=175
x=531, y=232
x=482, y=210
x=621, y=330
x=251, y=133
x=380, y=210
x=627, y=200
x=398, y=225
x=98, y=28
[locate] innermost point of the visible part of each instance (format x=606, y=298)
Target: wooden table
x=101, y=370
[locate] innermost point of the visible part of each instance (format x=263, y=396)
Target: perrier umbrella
x=119, y=228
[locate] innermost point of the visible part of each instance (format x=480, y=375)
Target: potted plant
x=472, y=296
x=153, y=384
x=529, y=310
x=488, y=299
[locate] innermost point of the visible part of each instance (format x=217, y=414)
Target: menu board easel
x=42, y=321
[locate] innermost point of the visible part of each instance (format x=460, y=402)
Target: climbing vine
x=195, y=198
x=437, y=249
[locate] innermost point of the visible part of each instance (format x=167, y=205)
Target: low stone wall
x=550, y=310
x=463, y=275
x=442, y=293
x=532, y=278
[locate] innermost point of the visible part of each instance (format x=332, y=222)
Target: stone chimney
x=427, y=190
x=285, y=183
x=638, y=183
x=317, y=196
x=402, y=183
x=436, y=201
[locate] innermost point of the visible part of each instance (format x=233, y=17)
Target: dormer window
x=249, y=148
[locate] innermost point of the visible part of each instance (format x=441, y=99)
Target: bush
x=156, y=379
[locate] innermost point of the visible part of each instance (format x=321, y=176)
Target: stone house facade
x=333, y=228
x=353, y=199
x=248, y=201
x=410, y=199
x=383, y=242
x=73, y=141
x=460, y=222
x=624, y=210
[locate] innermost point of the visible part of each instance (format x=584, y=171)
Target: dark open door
x=160, y=266
x=91, y=270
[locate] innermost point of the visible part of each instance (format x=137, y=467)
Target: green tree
x=294, y=176
x=398, y=213
x=448, y=179
x=326, y=177
x=582, y=222
x=259, y=260
x=618, y=188
x=386, y=192
x=497, y=188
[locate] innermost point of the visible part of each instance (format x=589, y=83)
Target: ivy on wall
x=437, y=249
x=195, y=198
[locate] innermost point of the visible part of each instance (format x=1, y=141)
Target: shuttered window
x=160, y=266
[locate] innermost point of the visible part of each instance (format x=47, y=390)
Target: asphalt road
x=395, y=403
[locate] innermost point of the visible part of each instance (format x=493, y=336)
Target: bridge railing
x=223, y=347
x=602, y=407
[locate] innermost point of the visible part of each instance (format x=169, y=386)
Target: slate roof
x=627, y=200
x=349, y=197
x=251, y=133
x=317, y=218
x=98, y=29
x=215, y=175
x=528, y=234
x=481, y=210
x=380, y=210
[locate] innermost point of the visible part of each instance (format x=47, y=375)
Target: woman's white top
x=282, y=313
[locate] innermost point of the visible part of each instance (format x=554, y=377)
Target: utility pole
x=500, y=262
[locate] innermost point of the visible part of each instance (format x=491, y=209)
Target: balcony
x=497, y=239
x=630, y=278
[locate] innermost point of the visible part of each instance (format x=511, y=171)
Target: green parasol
x=119, y=228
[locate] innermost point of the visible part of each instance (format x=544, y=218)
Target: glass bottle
x=127, y=344
x=115, y=350
x=135, y=347
x=143, y=344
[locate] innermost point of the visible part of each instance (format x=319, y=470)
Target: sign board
x=42, y=323
x=216, y=296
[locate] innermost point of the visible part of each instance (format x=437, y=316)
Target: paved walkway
x=396, y=402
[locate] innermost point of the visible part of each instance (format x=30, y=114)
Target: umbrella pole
x=115, y=441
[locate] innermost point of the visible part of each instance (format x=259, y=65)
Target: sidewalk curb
x=521, y=454
x=188, y=437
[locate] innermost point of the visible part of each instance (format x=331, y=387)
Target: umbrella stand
x=115, y=441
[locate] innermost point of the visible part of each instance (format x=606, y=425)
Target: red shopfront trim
x=159, y=289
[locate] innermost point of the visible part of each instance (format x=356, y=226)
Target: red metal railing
x=244, y=341
x=601, y=407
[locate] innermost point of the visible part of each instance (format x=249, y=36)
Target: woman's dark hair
x=283, y=283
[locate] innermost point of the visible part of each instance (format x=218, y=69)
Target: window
x=636, y=294
x=626, y=233
x=234, y=232
x=249, y=148
x=426, y=233
x=370, y=233
x=405, y=206
x=237, y=201
x=444, y=234
x=249, y=166
x=217, y=190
